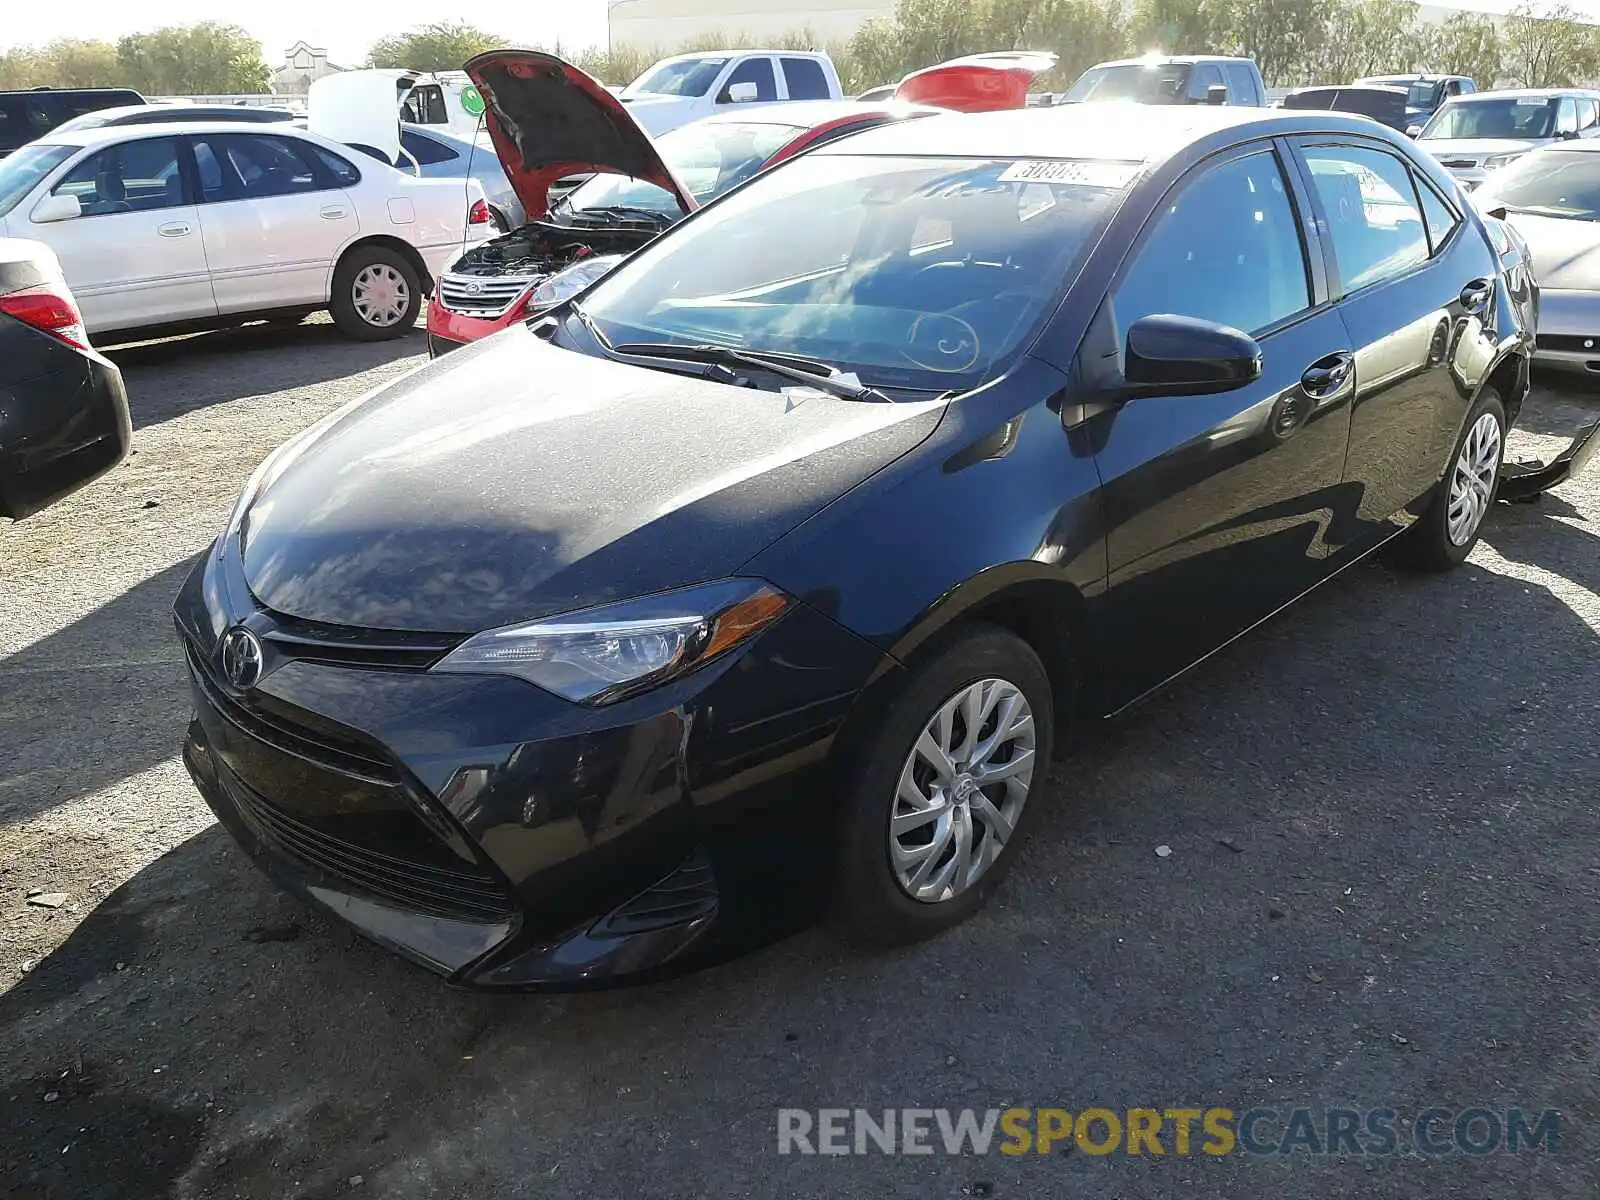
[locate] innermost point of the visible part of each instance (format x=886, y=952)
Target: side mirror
x=742, y=93
x=1413, y=130
x=1169, y=355
x=56, y=208
x=1566, y=135
x=1217, y=93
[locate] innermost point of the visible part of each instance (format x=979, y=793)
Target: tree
x=1283, y=36
x=1468, y=44
x=1177, y=26
x=1548, y=47
x=441, y=46
x=80, y=63
x=188, y=60
x=1369, y=37
x=23, y=67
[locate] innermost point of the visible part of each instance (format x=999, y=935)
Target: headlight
x=1495, y=161
x=607, y=653
x=569, y=281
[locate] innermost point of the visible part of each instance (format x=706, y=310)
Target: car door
x=1412, y=290
x=1220, y=507
x=133, y=256
x=754, y=69
x=1202, y=79
x=274, y=219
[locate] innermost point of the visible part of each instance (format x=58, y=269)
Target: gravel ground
x=1404, y=913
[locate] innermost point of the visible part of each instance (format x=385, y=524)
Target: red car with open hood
x=550, y=121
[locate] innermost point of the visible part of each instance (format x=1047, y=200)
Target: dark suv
x=28, y=116
x=1185, y=79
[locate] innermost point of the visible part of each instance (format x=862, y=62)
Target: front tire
x=946, y=790
x=377, y=294
x=1446, y=533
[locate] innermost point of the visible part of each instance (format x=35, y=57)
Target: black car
x=775, y=564
x=63, y=412
x=26, y=116
x=1385, y=105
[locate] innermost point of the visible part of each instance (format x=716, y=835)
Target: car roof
x=1156, y=60
x=115, y=133
x=727, y=54
x=1523, y=93
x=124, y=110
x=1119, y=133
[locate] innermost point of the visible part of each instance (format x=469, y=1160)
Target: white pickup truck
x=687, y=87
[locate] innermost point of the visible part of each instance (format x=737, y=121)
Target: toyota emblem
x=242, y=658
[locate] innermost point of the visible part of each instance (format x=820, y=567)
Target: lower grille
x=462, y=895
x=481, y=295
x=688, y=894
x=1573, y=343
x=1458, y=164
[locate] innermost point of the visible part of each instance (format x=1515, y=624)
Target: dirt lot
x=1405, y=913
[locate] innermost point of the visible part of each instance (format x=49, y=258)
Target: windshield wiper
x=615, y=212
x=802, y=370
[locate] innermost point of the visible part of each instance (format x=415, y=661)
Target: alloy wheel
x=1472, y=482
x=962, y=790
x=380, y=295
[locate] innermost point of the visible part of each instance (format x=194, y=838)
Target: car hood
x=1477, y=147
x=549, y=120
x=1566, y=253
x=514, y=479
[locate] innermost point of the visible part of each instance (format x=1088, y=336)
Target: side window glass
x=1202, y=79
x=1566, y=116
x=1372, y=213
x=131, y=177
x=264, y=166
x=1588, y=114
x=424, y=149
x=1225, y=248
x=752, y=70
x=425, y=106
x=805, y=78
x=343, y=173
x=1440, y=217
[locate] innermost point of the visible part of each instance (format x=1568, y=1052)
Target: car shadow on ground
x=1339, y=923
x=97, y=701
x=168, y=378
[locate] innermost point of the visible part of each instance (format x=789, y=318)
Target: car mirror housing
x=55, y=208
x=1217, y=94
x=1413, y=130
x=1169, y=355
x=742, y=93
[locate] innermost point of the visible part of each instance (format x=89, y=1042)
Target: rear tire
x=923, y=845
x=377, y=294
x=1445, y=534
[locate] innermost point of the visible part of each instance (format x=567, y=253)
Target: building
x=303, y=66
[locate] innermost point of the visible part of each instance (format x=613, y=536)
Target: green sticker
x=472, y=100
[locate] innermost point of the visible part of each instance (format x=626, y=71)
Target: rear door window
x=1372, y=212
x=424, y=149
x=1566, y=116
x=805, y=78
x=250, y=166
x=1241, y=84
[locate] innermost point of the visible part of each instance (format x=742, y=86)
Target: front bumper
x=451, y=330
x=501, y=836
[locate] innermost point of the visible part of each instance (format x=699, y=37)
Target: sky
x=345, y=28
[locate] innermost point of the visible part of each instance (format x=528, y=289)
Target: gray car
x=1552, y=198
x=442, y=155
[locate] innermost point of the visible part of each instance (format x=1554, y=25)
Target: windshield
x=1163, y=83
x=709, y=157
x=687, y=77
x=1522, y=117
x=1553, y=183
x=911, y=272
x=22, y=170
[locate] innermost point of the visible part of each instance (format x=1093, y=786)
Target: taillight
x=50, y=309
x=478, y=214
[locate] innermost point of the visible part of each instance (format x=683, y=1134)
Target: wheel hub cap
x=1473, y=479
x=961, y=790
x=381, y=295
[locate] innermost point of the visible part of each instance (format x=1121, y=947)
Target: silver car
x=1474, y=135
x=441, y=155
x=1551, y=197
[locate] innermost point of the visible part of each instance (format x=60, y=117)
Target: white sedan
x=190, y=225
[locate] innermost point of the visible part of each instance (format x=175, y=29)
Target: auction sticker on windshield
x=1094, y=174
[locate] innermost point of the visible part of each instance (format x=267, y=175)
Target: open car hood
x=549, y=120
x=977, y=82
x=361, y=108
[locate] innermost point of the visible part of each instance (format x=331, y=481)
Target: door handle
x=1328, y=375
x=173, y=229
x=333, y=212
x=1475, y=296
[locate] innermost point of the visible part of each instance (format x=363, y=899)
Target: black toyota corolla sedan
x=777, y=562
